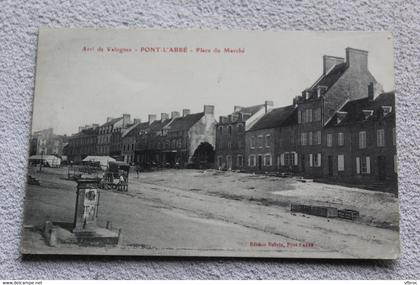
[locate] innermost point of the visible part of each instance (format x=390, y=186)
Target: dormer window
x=320, y=90
x=367, y=114
x=340, y=117
x=306, y=95
x=386, y=110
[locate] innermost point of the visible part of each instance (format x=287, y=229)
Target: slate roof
x=111, y=122
x=329, y=78
x=355, y=109
x=135, y=128
x=185, y=123
x=275, y=118
x=156, y=126
x=250, y=110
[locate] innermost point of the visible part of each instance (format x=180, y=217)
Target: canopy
x=51, y=160
x=103, y=160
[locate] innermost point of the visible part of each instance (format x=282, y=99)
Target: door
x=330, y=165
x=259, y=162
x=229, y=162
x=381, y=167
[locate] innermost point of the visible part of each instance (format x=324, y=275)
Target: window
x=267, y=140
x=310, y=138
x=394, y=137
x=309, y=115
x=316, y=160
x=329, y=140
x=260, y=141
x=317, y=114
x=220, y=129
x=340, y=162
x=288, y=159
x=240, y=161
x=317, y=139
x=230, y=130
x=219, y=161
x=363, y=165
x=300, y=117
x=267, y=160
x=229, y=145
x=252, y=142
x=380, y=137
x=251, y=160
x=340, y=139
x=362, y=139
x=303, y=138
x=240, y=128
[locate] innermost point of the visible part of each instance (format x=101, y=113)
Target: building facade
x=230, y=135
x=82, y=144
x=342, y=80
x=109, y=136
x=46, y=142
x=361, y=143
x=265, y=142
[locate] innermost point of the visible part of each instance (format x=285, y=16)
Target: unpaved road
x=192, y=212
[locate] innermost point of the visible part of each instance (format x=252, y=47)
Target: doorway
x=330, y=165
x=381, y=167
x=259, y=162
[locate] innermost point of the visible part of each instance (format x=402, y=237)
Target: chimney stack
x=174, y=114
x=268, y=105
x=208, y=109
x=330, y=61
x=151, y=118
x=357, y=59
x=185, y=112
x=164, y=116
x=136, y=121
x=126, y=120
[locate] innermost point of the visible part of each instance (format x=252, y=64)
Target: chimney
x=126, y=120
x=174, y=114
x=230, y=118
x=80, y=129
x=136, y=121
x=208, y=109
x=109, y=119
x=267, y=105
x=330, y=61
x=151, y=118
x=185, y=112
x=295, y=101
x=237, y=108
x=222, y=120
x=164, y=116
x=357, y=58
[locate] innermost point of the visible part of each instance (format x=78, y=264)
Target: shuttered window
x=380, y=137
x=340, y=162
x=362, y=139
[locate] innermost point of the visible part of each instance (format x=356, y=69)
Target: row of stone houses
x=168, y=141
x=342, y=128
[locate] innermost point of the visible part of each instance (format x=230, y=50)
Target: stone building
x=265, y=142
x=230, y=134
x=46, y=142
x=361, y=143
x=179, y=140
x=342, y=80
x=129, y=141
x=109, y=136
x=83, y=143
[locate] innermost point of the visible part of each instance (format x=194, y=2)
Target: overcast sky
x=75, y=88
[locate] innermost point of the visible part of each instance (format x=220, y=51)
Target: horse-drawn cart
x=115, y=176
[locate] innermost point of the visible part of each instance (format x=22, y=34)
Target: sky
x=76, y=86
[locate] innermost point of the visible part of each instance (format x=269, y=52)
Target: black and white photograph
x=213, y=143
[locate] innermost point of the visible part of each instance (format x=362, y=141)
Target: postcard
x=213, y=143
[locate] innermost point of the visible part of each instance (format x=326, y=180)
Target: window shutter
x=310, y=160
x=368, y=164
x=282, y=159
x=358, y=165
x=296, y=158
x=319, y=160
